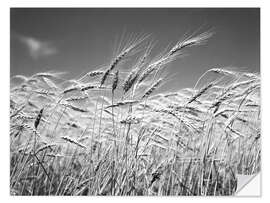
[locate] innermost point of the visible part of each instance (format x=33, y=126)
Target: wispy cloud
x=38, y=48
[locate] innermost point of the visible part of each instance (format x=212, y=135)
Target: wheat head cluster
x=112, y=132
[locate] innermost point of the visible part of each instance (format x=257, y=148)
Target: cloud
x=38, y=48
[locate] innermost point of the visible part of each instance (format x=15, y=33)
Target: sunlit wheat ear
x=130, y=79
x=248, y=90
x=165, y=111
x=154, y=66
x=146, y=73
x=219, y=101
x=152, y=88
x=204, y=90
x=122, y=103
x=49, y=75
x=22, y=116
x=241, y=84
x=140, y=65
x=193, y=41
x=75, y=108
x=229, y=90
x=92, y=74
x=90, y=86
x=47, y=146
x=37, y=121
x=194, y=110
x=71, y=89
x=201, y=92
x=78, y=98
x=70, y=140
x=134, y=75
x=131, y=120
x=150, y=69
x=223, y=71
x=115, y=81
x=119, y=58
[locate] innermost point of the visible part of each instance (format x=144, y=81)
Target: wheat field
x=112, y=131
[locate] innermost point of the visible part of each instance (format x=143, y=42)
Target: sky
x=78, y=40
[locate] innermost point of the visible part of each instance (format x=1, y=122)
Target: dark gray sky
x=78, y=40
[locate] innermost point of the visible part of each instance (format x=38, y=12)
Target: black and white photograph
x=134, y=101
